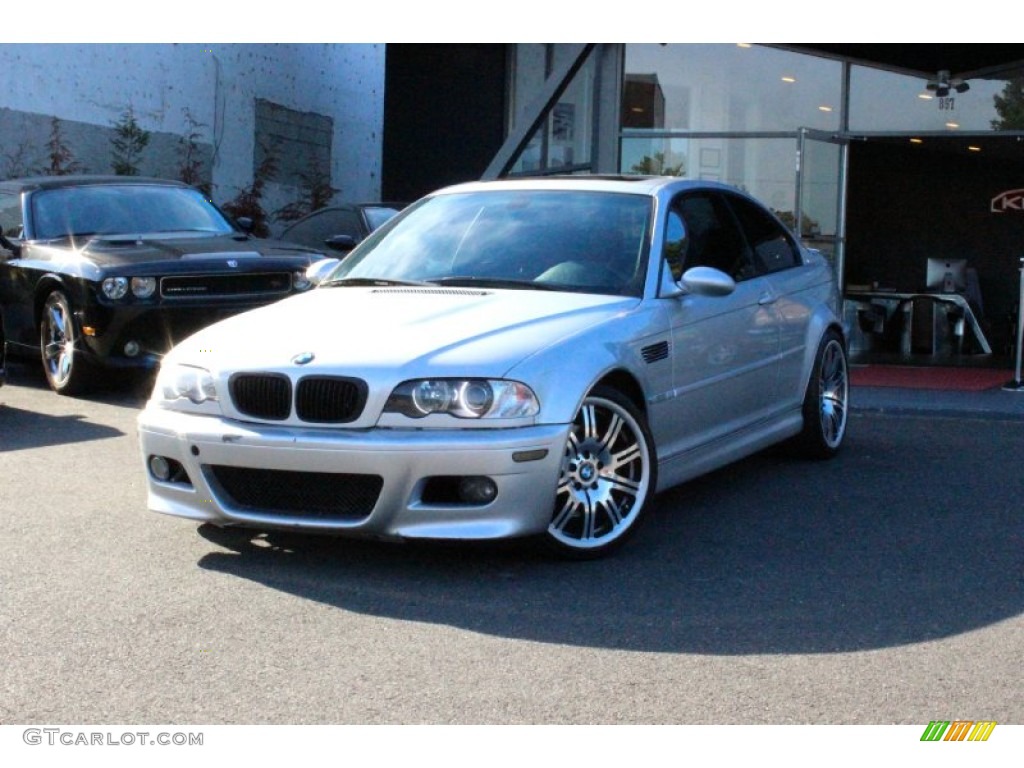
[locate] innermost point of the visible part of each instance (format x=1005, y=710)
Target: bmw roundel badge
x=303, y=357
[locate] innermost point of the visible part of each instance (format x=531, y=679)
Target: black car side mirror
x=245, y=223
x=342, y=243
x=9, y=245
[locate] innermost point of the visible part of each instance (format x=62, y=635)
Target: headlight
x=300, y=282
x=143, y=287
x=187, y=382
x=463, y=398
x=115, y=288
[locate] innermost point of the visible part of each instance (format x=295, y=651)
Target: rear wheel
x=826, y=402
x=608, y=474
x=66, y=369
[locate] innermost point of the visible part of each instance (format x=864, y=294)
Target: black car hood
x=116, y=250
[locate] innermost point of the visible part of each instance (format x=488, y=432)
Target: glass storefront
x=882, y=171
x=565, y=141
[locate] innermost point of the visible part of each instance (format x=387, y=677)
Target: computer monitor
x=947, y=275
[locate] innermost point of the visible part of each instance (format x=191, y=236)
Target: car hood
x=117, y=250
x=399, y=331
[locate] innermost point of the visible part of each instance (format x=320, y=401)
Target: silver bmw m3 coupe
x=534, y=357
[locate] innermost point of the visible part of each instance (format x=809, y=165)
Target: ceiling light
x=925, y=96
x=917, y=141
x=825, y=108
x=952, y=125
x=972, y=148
x=788, y=79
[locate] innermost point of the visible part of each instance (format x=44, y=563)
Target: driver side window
x=710, y=237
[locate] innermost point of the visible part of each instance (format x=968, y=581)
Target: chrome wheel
x=57, y=339
x=826, y=403
x=834, y=389
x=607, y=475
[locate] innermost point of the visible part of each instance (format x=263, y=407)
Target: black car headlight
x=463, y=398
x=115, y=288
x=143, y=287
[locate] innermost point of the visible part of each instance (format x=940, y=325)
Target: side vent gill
x=655, y=352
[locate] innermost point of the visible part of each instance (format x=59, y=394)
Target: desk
x=905, y=302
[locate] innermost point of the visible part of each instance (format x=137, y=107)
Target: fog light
x=160, y=468
x=478, y=490
x=132, y=348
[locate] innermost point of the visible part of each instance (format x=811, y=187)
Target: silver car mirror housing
x=706, y=281
x=319, y=270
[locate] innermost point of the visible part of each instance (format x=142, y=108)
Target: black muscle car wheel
x=66, y=370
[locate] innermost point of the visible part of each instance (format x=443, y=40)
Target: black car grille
x=262, y=396
x=329, y=399
x=225, y=286
x=318, y=399
x=320, y=495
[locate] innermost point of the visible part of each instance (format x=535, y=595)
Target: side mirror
x=706, y=281
x=10, y=245
x=246, y=224
x=341, y=243
x=319, y=270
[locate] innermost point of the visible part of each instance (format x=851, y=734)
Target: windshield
x=567, y=240
x=112, y=209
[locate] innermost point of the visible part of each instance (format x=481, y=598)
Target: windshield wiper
x=491, y=282
x=371, y=281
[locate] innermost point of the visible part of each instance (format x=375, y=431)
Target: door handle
x=767, y=298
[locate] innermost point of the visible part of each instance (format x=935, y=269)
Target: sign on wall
x=1011, y=200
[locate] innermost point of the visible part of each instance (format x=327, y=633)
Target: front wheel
x=67, y=372
x=826, y=402
x=608, y=474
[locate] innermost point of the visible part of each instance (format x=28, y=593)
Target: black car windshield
x=564, y=239
x=113, y=209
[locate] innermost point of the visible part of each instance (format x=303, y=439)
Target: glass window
x=887, y=101
x=565, y=141
x=566, y=240
x=712, y=238
x=727, y=87
x=773, y=249
x=10, y=215
x=103, y=209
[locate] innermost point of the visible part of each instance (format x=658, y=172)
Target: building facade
x=884, y=171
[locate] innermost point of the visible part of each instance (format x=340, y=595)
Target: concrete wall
x=88, y=88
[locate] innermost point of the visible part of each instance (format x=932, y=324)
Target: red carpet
x=926, y=377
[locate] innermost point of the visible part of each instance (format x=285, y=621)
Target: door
x=725, y=348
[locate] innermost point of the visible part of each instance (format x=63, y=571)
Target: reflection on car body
x=535, y=357
x=98, y=273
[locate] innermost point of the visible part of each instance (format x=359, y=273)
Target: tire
x=826, y=402
x=67, y=371
x=609, y=472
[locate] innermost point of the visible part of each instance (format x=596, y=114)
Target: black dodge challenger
x=100, y=273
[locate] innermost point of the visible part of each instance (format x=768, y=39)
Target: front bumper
x=151, y=329
x=524, y=464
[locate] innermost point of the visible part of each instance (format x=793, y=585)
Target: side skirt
x=673, y=470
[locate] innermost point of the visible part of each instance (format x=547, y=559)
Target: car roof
x=78, y=180
x=637, y=185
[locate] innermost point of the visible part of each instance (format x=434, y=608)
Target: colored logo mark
x=958, y=730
